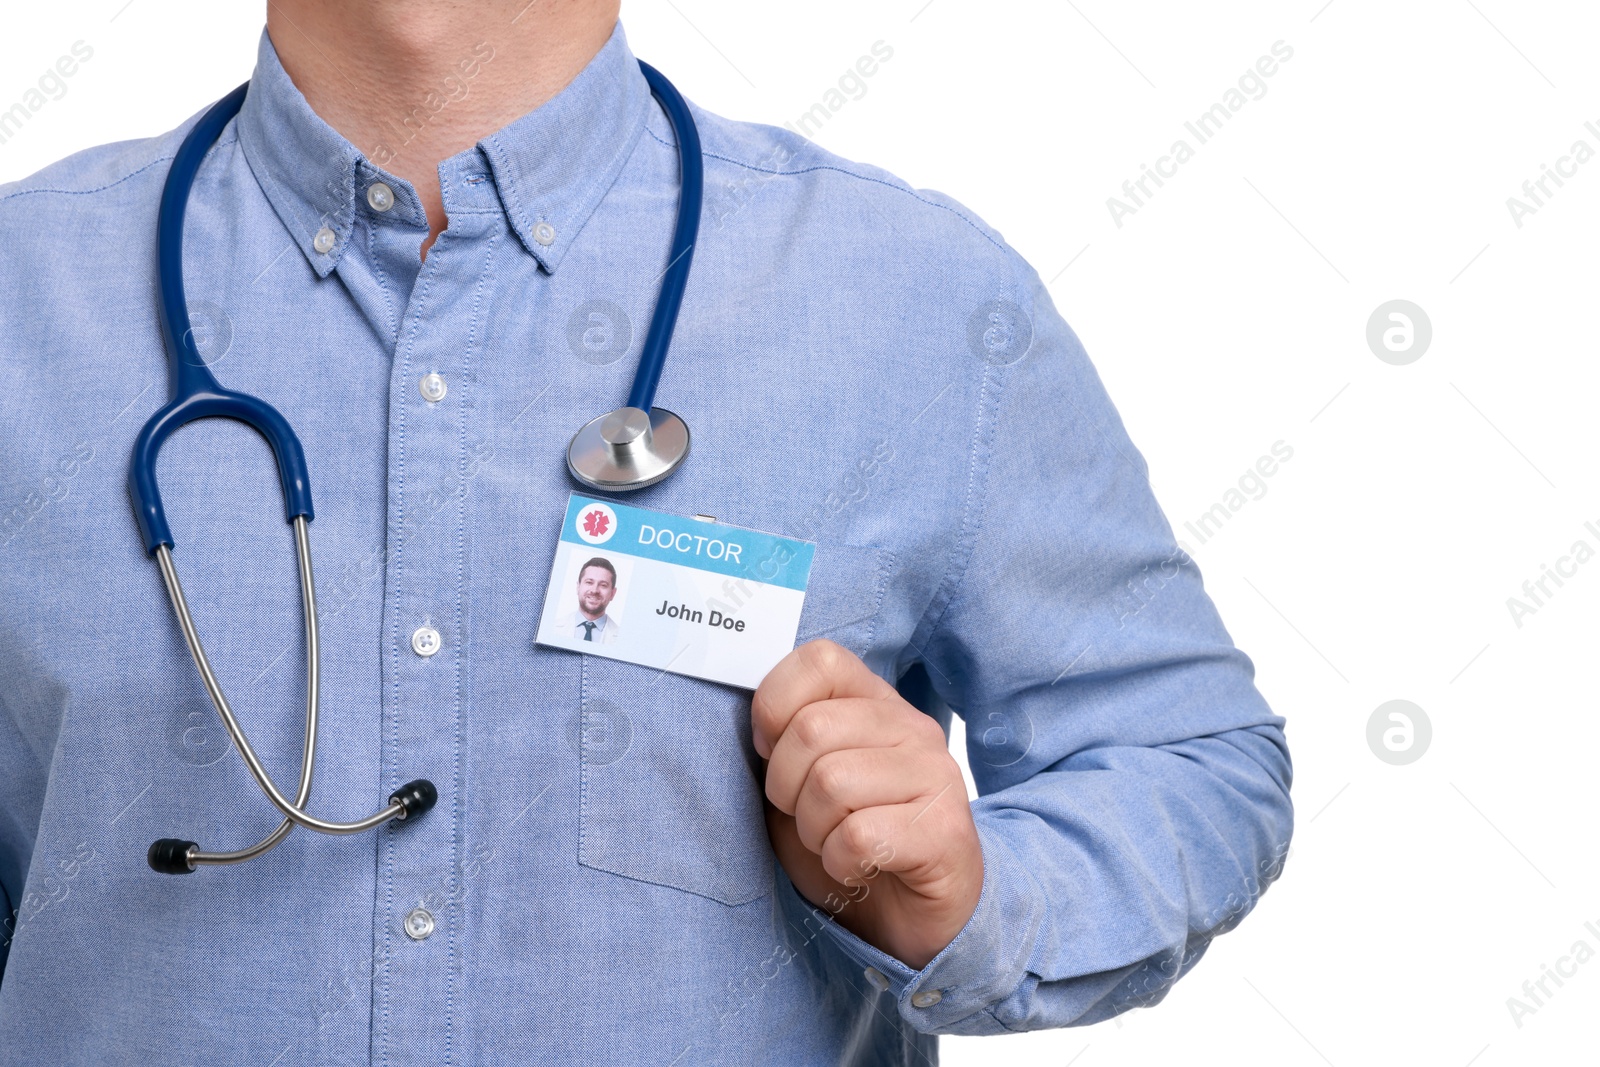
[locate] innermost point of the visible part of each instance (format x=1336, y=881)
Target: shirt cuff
x=983, y=965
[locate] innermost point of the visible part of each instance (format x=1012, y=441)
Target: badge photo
x=596, y=601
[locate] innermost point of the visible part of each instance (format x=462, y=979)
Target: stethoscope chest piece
x=628, y=449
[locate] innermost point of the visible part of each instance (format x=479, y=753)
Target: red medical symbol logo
x=595, y=524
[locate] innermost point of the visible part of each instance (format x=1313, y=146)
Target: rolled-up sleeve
x=1133, y=783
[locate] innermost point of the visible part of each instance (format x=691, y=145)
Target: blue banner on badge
x=680, y=594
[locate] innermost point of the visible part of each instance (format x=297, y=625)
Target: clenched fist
x=866, y=808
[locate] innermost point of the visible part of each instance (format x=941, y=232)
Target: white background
x=1227, y=314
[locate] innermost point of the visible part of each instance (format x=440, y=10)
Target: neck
x=411, y=83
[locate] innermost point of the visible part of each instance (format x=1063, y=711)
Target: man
x=417, y=210
x=597, y=587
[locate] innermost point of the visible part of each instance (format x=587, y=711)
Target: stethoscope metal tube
x=168, y=855
x=176, y=855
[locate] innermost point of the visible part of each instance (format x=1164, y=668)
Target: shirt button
x=544, y=233
x=926, y=999
x=380, y=197
x=425, y=641
x=419, y=924
x=324, y=240
x=876, y=977
x=433, y=388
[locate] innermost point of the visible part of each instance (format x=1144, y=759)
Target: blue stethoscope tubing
x=196, y=393
x=638, y=445
x=675, y=280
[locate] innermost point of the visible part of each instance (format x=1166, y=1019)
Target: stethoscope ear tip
x=414, y=798
x=171, y=856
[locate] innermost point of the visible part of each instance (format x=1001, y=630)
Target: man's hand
x=866, y=809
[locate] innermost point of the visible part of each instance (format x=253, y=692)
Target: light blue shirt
x=863, y=364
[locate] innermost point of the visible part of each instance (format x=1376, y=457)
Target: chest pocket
x=670, y=783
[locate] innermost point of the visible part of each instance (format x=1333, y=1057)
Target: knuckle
x=858, y=834
x=830, y=779
x=814, y=728
x=922, y=729
x=929, y=730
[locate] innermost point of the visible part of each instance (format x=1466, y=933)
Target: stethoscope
x=629, y=448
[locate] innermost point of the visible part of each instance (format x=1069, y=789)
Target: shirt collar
x=551, y=167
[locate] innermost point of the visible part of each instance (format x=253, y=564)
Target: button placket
x=419, y=922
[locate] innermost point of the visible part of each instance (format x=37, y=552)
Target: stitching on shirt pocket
x=670, y=787
x=844, y=595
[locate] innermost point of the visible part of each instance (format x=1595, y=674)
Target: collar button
x=324, y=241
x=544, y=233
x=380, y=197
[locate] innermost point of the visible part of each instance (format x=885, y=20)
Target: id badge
x=679, y=594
